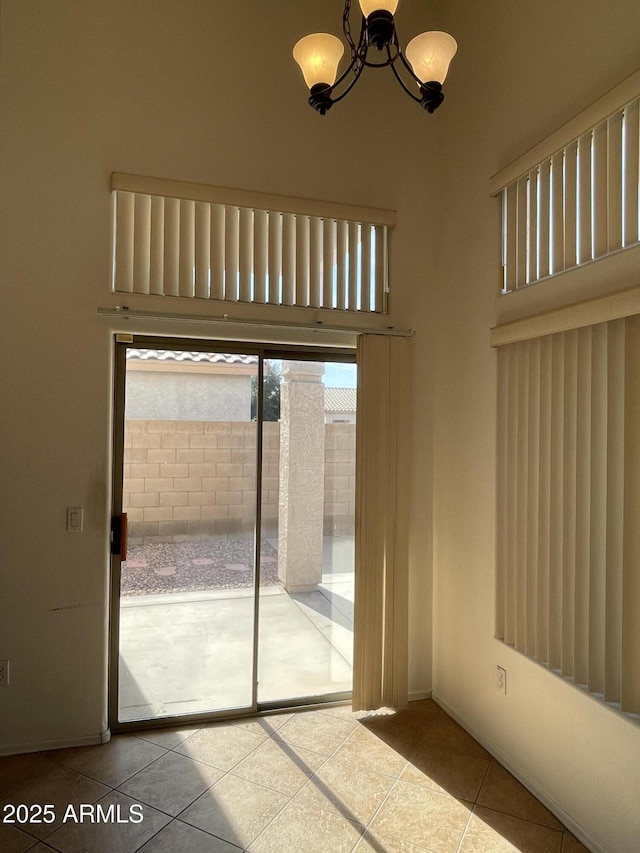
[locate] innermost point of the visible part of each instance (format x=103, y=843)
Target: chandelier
x=425, y=61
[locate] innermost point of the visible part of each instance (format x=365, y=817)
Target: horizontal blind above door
x=208, y=249
x=568, y=573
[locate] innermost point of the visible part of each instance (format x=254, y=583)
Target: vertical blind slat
x=141, y=243
x=354, y=250
x=615, y=508
x=125, y=218
x=544, y=501
x=595, y=621
x=631, y=171
x=630, y=639
x=511, y=456
x=303, y=260
x=380, y=268
x=342, y=272
x=510, y=203
x=172, y=247
x=187, y=247
x=584, y=198
x=533, y=485
x=315, y=262
x=614, y=182
x=245, y=255
x=156, y=247
x=365, y=268
x=522, y=231
x=557, y=213
x=570, y=205
x=556, y=501
x=203, y=249
x=231, y=252
x=276, y=245
x=261, y=255
x=569, y=497
x=532, y=219
x=216, y=250
x=502, y=437
x=599, y=191
x=582, y=506
x=328, y=263
x=544, y=215
x=289, y=243
x=521, y=495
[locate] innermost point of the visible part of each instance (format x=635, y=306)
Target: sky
x=338, y=375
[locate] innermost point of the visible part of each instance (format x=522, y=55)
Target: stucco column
x=301, y=503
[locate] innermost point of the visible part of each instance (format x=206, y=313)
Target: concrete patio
x=192, y=652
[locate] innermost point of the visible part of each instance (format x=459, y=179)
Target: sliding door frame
x=263, y=351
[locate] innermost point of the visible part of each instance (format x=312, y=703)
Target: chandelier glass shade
x=421, y=69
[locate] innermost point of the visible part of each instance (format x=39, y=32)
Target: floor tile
x=502, y=792
x=445, y=733
x=316, y=731
x=59, y=788
x=14, y=840
x=381, y=842
x=169, y=738
x=110, y=837
x=16, y=771
x=280, y=766
x=423, y=817
x=171, y=783
x=235, y=809
x=343, y=788
x=221, y=746
x=365, y=750
x=111, y=763
x=448, y=772
x=572, y=845
x=267, y=725
x=298, y=829
x=178, y=837
x=502, y=833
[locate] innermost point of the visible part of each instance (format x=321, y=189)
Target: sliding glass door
x=234, y=468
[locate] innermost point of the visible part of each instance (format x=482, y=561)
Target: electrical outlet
x=4, y=673
x=501, y=682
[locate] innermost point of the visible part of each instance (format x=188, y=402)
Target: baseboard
x=417, y=695
x=63, y=743
x=555, y=809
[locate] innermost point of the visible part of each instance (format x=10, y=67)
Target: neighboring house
x=340, y=405
x=189, y=386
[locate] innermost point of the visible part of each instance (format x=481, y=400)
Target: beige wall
x=526, y=68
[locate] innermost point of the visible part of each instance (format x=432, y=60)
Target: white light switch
x=75, y=519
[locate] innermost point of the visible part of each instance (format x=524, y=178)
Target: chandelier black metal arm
x=378, y=30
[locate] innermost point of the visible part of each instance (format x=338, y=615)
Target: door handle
x=119, y=535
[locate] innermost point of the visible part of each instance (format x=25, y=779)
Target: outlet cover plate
x=501, y=680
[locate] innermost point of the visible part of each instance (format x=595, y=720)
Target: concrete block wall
x=190, y=478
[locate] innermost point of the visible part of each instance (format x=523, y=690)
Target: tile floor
x=305, y=782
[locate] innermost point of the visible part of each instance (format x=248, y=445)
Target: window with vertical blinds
x=209, y=243
x=574, y=198
x=568, y=577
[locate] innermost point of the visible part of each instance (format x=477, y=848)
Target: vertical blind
x=576, y=206
x=568, y=574
x=170, y=246
x=381, y=585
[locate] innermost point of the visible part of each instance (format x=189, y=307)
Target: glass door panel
x=307, y=530
x=187, y=587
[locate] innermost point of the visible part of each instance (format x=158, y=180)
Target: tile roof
x=340, y=400
x=193, y=357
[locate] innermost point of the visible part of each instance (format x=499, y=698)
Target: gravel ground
x=198, y=565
